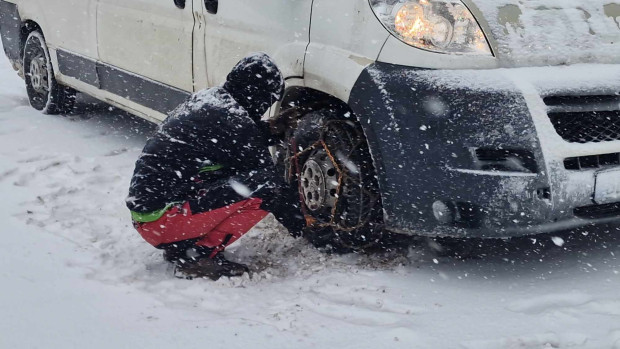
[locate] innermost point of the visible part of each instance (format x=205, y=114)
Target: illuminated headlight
x=445, y=26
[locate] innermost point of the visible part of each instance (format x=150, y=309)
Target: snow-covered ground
x=75, y=274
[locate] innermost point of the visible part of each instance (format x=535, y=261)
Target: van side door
x=280, y=28
x=146, y=45
x=71, y=26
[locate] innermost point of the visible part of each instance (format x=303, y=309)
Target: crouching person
x=207, y=177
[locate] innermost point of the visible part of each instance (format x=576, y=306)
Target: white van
x=457, y=118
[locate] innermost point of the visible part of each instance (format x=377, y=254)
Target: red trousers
x=214, y=229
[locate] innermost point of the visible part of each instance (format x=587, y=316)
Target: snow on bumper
x=479, y=153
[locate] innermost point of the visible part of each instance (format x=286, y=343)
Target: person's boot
x=212, y=268
x=176, y=251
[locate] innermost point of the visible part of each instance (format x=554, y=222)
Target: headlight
x=445, y=26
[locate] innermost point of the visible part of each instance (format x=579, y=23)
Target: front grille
x=587, y=127
x=598, y=211
x=592, y=161
x=580, y=102
x=585, y=119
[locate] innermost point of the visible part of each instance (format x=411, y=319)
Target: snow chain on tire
x=356, y=184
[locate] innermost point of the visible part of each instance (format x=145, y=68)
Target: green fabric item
x=150, y=216
x=155, y=215
x=211, y=168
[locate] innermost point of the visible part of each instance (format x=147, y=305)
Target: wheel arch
x=28, y=26
x=32, y=16
x=301, y=100
x=305, y=99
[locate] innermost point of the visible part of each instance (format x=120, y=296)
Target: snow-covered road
x=74, y=273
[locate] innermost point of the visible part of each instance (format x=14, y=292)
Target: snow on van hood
x=553, y=32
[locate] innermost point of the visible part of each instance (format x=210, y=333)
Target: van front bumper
x=475, y=153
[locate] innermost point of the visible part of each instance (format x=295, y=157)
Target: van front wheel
x=328, y=160
x=44, y=92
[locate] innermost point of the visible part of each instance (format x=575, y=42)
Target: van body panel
x=397, y=52
x=340, y=49
x=74, y=25
x=553, y=32
x=240, y=27
x=150, y=38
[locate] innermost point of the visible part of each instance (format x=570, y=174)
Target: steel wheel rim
x=319, y=182
x=38, y=74
x=38, y=77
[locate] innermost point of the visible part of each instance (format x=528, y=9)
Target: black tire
x=44, y=92
x=348, y=216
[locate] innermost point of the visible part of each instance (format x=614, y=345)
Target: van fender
x=332, y=70
x=32, y=11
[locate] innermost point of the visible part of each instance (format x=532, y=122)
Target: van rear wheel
x=329, y=162
x=44, y=92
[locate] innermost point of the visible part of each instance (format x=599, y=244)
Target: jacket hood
x=256, y=84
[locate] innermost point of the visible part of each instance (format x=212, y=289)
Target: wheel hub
x=319, y=180
x=38, y=74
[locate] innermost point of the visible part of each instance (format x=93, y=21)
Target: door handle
x=180, y=3
x=211, y=6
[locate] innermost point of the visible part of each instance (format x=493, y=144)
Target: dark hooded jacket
x=213, y=149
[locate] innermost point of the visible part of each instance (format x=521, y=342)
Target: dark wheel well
x=303, y=100
x=27, y=27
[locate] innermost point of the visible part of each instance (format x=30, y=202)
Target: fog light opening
x=446, y=212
